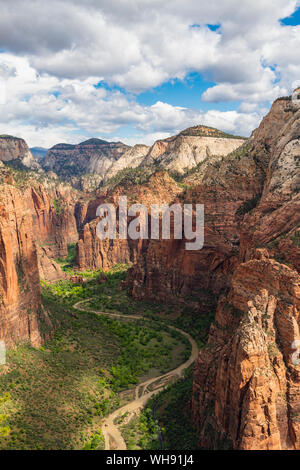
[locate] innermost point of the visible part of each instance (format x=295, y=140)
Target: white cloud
x=59, y=50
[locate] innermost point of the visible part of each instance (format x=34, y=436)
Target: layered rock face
x=15, y=149
x=191, y=147
x=53, y=213
x=224, y=187
x=95, y=253
x=132, y=158
x=52, y=206
x=54, y=224
x=90, y=163
x=20, y=309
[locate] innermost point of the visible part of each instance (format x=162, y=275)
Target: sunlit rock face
x=13, y=149
x=20, y=310
x=189, y=148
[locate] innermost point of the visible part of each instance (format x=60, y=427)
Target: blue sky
x=142, y=70
x=292, y=20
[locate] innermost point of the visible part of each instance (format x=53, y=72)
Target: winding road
x=143, y=391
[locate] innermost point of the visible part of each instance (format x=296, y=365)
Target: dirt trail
x=112, y=435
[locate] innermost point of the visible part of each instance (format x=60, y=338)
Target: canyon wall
x=21, y=313
x=224, y=185
x=95, y=253
x=37, y=223
x=53, y=210
x=246, y=387
x=94, y=156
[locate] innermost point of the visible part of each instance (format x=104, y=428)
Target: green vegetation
x=18, y=165
x=20, y=273
x=248, y=205
x=235, y=312
x=96, y=442
x=180, y=177
x=296, y=238
x=284, y=98
x=58, y=206
x=60, y=392
x=142, y=431
x=145, y=344
x=67, y=263
x=240, y=152
x=7, y=136
x=207, y=131
x=108, y=297
x=166, y=422
x=4, y=429
x=23, y=176
x=131, y=176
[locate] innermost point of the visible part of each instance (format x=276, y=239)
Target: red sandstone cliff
x=95, y=253
x=37, y=222
x=20, y=309
x=246, y=388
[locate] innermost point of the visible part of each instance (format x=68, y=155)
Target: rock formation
x=21, y=314
x=14, y=149
x=132, y=158
x=95, y=253
x=94, y=156
x=189, y=148
x=94, y=161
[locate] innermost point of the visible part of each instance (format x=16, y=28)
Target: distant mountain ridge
x=104, y=159
x=91, y=163
x=38, y=152
x=93, y=156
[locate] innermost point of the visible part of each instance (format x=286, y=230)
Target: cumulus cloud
x=46, y=110
x=57, y=51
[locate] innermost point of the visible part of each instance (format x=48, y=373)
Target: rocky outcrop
x=246, y=387
x=52, y=206
x=20, y=310
x=189, y=148
x=14, y=149
x=37, y=223
x=49, y=269
x=94, y=161
x=53, y=214
x=132, y=158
